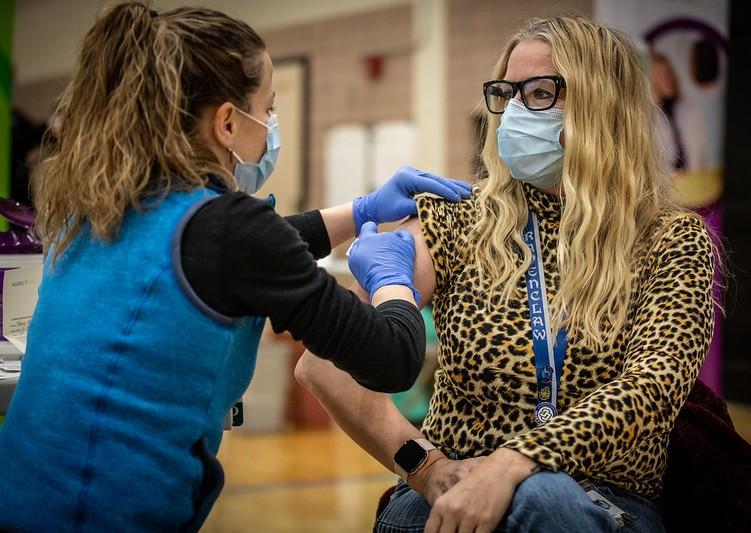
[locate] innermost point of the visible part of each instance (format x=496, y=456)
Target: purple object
x=17, y=213
x=711, y=372
x=18, y=241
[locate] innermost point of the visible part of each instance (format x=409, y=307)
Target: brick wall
x=340, y=91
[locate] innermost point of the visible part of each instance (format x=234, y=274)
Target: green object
x=430, y=335
x=414, y=403
x=6, y=83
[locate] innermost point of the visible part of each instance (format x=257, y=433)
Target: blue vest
x=126, y=380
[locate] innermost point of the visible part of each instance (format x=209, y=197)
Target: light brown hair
x=129, y=119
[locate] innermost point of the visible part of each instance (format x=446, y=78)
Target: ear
x=224, y=125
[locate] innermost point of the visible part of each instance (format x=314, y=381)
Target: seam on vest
x=205, y=426
x=87, y=476
x=177, y=267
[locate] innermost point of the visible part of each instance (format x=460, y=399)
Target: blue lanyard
x=548, y=356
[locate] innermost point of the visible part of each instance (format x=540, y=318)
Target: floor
x=311, y=482
x=306, y=481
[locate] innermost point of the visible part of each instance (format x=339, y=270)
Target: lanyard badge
x=549, y=353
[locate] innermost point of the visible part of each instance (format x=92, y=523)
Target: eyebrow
x=555, y=75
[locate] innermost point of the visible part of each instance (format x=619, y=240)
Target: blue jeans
x=546, y=501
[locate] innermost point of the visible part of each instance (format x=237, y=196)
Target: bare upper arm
x=424, y=270
x=368, y=417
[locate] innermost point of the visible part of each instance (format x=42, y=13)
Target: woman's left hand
x=478, y=502
x=393, y=201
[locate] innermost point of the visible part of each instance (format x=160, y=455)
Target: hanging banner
x=685, y=51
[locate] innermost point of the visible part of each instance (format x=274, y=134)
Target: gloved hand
x=393, y=201
x=380, y=259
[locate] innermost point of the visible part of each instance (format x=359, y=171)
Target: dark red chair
x=708, y=479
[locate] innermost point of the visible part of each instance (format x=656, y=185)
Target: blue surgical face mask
x=251, y=176
x=529, y=144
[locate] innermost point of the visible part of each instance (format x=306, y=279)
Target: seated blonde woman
x=573, y=306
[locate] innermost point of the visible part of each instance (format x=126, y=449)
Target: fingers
x=449, y=189
x=433, y=524
x=440, y=188
x=432, y=183
x=463, y=188
x=352, y=247
x=408, y=207
x=405, y=236
x=477, y=521
x=369, y=228
x=466, y=527
x=451, y=519
x=445, y=515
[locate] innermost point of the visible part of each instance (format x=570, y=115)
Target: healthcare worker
x=159, y=274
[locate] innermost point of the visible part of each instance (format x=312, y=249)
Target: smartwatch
x=411, y=456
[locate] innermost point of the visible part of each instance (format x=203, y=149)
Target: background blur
x=366, y=86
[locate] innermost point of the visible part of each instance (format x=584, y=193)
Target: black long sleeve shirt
x=242, y=258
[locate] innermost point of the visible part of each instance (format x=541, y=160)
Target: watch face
x=410, y=456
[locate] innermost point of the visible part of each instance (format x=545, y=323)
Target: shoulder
x=238, y=213
x=428, y=205
x=682, y=232
x=231, y=204
x=242, y=222
x=441, y=218
x=444, y=225
x=680, y=246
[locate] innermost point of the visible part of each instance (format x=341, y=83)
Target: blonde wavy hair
x=614, y=181
x=128, y=122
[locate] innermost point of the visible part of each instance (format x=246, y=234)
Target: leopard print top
x=616, y=405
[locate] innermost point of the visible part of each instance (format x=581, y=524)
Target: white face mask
x=252, y=176
x=529, y=144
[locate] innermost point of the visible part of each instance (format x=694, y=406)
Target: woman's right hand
x=438, y=476
x=382, y=259
x=480, y=500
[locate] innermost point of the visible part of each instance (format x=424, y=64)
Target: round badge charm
x=544, y=412
x=545, y=393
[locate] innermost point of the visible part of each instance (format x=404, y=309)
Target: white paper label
x=20, y=292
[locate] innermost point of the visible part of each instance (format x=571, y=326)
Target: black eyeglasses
x=538, y=93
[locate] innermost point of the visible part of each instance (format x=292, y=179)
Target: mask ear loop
x=251, y=117
x=233, y=154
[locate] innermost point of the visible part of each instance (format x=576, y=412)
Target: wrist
x=411, y=455
x=516, y=466
x=339, y=223
x=360, y=213
x=401, y=281
x=391, y=292
x=419, y=480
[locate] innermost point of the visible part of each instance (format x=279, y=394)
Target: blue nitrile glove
x=393, y=201
x=380, y=259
